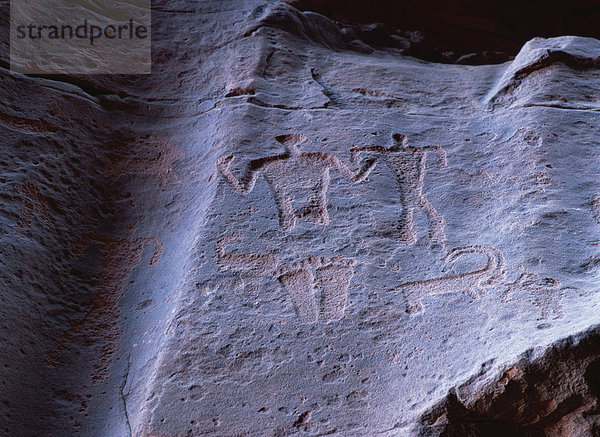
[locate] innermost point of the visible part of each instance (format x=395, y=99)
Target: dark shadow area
x=553, y=395
x=463, y=32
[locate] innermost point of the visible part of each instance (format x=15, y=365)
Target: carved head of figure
x=400, y=141
x=291, y=142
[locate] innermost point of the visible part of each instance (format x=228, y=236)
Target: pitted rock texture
x=277, y=234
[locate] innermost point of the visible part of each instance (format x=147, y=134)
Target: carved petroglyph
x=34, y=209
x=532, y=165
x=331, y=277
x=302, y=280
x=160, y=165
x=472, y=282
x=100, y=326
x=300, y=287
x=536, y=166
x=596, y=207
x=408, y=164
x=545, y=293
x=291, y=174
x=259, y=263
x=334, y=280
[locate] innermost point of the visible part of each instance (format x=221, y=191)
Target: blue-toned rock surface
x=285, y=232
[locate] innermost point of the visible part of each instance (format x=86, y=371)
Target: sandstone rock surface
x=283, y=232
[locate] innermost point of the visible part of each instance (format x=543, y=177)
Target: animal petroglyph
x=301, y=280
x=408, y=164
x=546, y=293
x=100, y=326
x=291, y=174
x=331, y=277
x=34, y=209
x=259, y=263
x=160, y=166
x=472, y=282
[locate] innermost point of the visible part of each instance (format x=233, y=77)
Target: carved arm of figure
x=356, y=151
x=360, y=174
x=356, y=176
x=246, y=183
x=443, y=157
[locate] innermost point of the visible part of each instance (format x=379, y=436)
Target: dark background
x=451, y=29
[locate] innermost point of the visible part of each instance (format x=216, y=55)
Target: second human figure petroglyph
x=292, y=174
x=409, y=164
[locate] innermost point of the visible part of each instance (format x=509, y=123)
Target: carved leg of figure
x=106, y=337
x=70, y=336
x=413, y=304
x=407, y=232
x=314, y=213
x=300, y=287
x=436, y=221
x=101, y=369
x=334, y=280
x=287, y=216
x=89, y=331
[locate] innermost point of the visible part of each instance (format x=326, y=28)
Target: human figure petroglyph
x=473, y=283
x=100, y=326
x=291, y=173
x=160, y=166
x=408, y=164
x=301, y=280
x=546, y=293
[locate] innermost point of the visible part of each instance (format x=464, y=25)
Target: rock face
x=279, y=234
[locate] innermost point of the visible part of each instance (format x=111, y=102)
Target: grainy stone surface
x=278, y=234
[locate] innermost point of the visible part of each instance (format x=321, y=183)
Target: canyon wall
x=284, y=231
